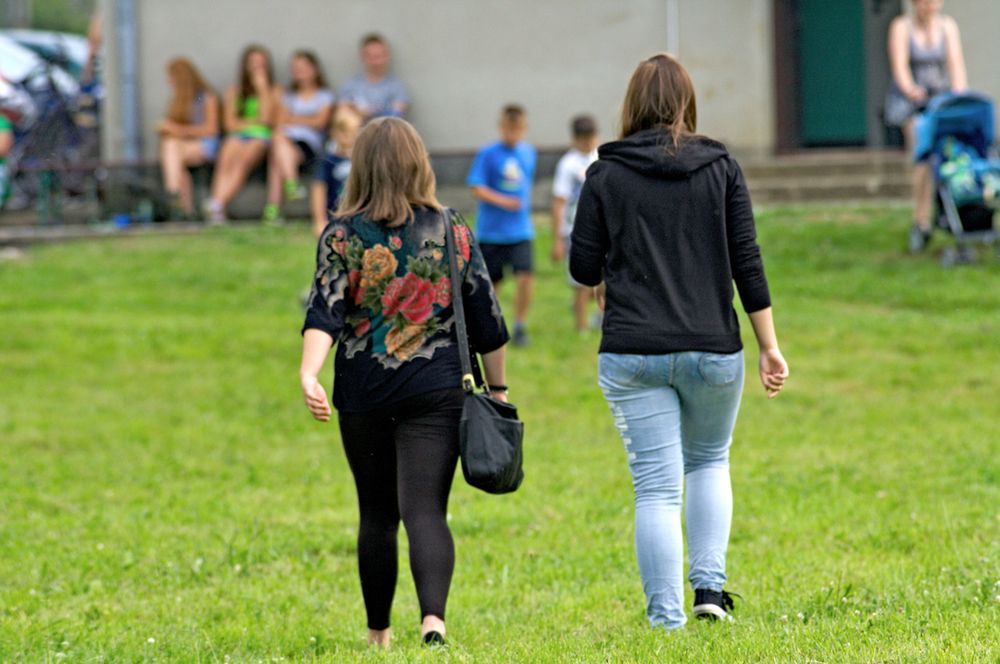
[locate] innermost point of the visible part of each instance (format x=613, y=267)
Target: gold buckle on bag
x=469, y=383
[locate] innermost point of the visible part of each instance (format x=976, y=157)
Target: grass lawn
x=165, y=496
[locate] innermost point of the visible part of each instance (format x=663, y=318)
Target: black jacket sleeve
x=327, y=307
x=483, y=318
x=744, y=253
x=589, y=241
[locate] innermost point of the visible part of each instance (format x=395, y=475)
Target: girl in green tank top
x=249, y=113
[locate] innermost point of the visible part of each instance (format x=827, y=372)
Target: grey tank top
x=198, y=110
x=929, y=64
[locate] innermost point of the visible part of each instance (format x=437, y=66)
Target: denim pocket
x=620, y=370
x=720, y=370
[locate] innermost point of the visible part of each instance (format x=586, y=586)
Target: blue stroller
x=956, y=134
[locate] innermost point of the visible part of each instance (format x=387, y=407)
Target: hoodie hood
x=646, y=152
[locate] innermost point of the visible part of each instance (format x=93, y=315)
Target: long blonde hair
x=660, y=95
x=188, y=84
x=390, y=174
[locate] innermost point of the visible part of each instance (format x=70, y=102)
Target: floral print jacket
x=384, y=294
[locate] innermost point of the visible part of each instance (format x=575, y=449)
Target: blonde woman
x=189, y=135
x=925, y=54
x=382, y=294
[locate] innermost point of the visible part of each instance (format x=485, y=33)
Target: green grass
x=164, y=495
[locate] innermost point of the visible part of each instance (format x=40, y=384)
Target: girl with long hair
x=189, y=135
x=664, y=223
x=303, y=115
x=249, y=112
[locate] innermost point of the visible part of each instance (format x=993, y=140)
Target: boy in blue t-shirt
x=332, y=170
x=501, y=180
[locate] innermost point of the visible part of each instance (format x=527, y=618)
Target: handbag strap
x=461, y=330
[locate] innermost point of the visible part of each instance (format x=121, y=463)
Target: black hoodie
x=668, y=231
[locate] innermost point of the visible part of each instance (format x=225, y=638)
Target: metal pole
x=673, y=27
x=128, y=56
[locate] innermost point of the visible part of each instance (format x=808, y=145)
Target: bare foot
x=380, y=637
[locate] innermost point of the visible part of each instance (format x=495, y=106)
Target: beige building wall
x=727, y=46
x=463, y=59
x=978, y=21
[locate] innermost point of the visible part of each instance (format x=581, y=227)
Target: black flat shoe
x=433, y=638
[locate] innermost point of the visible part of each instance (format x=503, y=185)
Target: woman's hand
x=916, y=94
x=258, y=78
x=499, y=395
x=315, y=397
x=558, y=249
x=773, y=371
x=600, y=295
x=174, y=129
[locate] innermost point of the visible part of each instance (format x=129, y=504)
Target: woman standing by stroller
x=925, y=54
x=664, y=221
x=382, y=293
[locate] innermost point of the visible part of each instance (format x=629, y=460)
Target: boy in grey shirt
x=375, y=92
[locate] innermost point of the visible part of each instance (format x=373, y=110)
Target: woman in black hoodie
x=664, y=227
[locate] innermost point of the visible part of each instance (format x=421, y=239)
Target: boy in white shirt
x=570, y=174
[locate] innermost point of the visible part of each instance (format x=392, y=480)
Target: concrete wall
x=978, y=21
x=727, y=46
x=463, y=59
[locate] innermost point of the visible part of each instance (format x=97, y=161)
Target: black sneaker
x=919, y=237
x=520, y=337
x=713, y=605
x=434, y=639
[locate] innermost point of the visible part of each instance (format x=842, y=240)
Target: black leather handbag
x=490, y=434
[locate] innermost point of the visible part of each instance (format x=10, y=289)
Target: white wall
x=979, y=22
x=727, y=47
x=463, y=59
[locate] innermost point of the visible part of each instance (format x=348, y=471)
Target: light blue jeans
x=676, y=415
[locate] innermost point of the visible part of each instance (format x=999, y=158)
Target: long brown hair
x=390, y=174
x=246, y=84
x=311, y=58
x=188, y=85
x=660, y=96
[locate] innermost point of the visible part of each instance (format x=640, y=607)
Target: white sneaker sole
x=711, y=612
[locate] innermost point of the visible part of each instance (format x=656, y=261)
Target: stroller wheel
x=949, y=257
x=966, y=254
x=961, y=254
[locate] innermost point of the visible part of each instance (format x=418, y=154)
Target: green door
x=831, y=53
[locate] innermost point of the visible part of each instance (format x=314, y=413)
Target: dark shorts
x=308, y=154
x=520, y=256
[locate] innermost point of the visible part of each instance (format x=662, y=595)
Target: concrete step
x=776, y=190
x=810, y=165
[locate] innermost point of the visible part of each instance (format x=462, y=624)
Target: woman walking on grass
x=382, y=293
x=664, y=223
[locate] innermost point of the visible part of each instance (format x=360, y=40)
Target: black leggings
x=403, y=458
